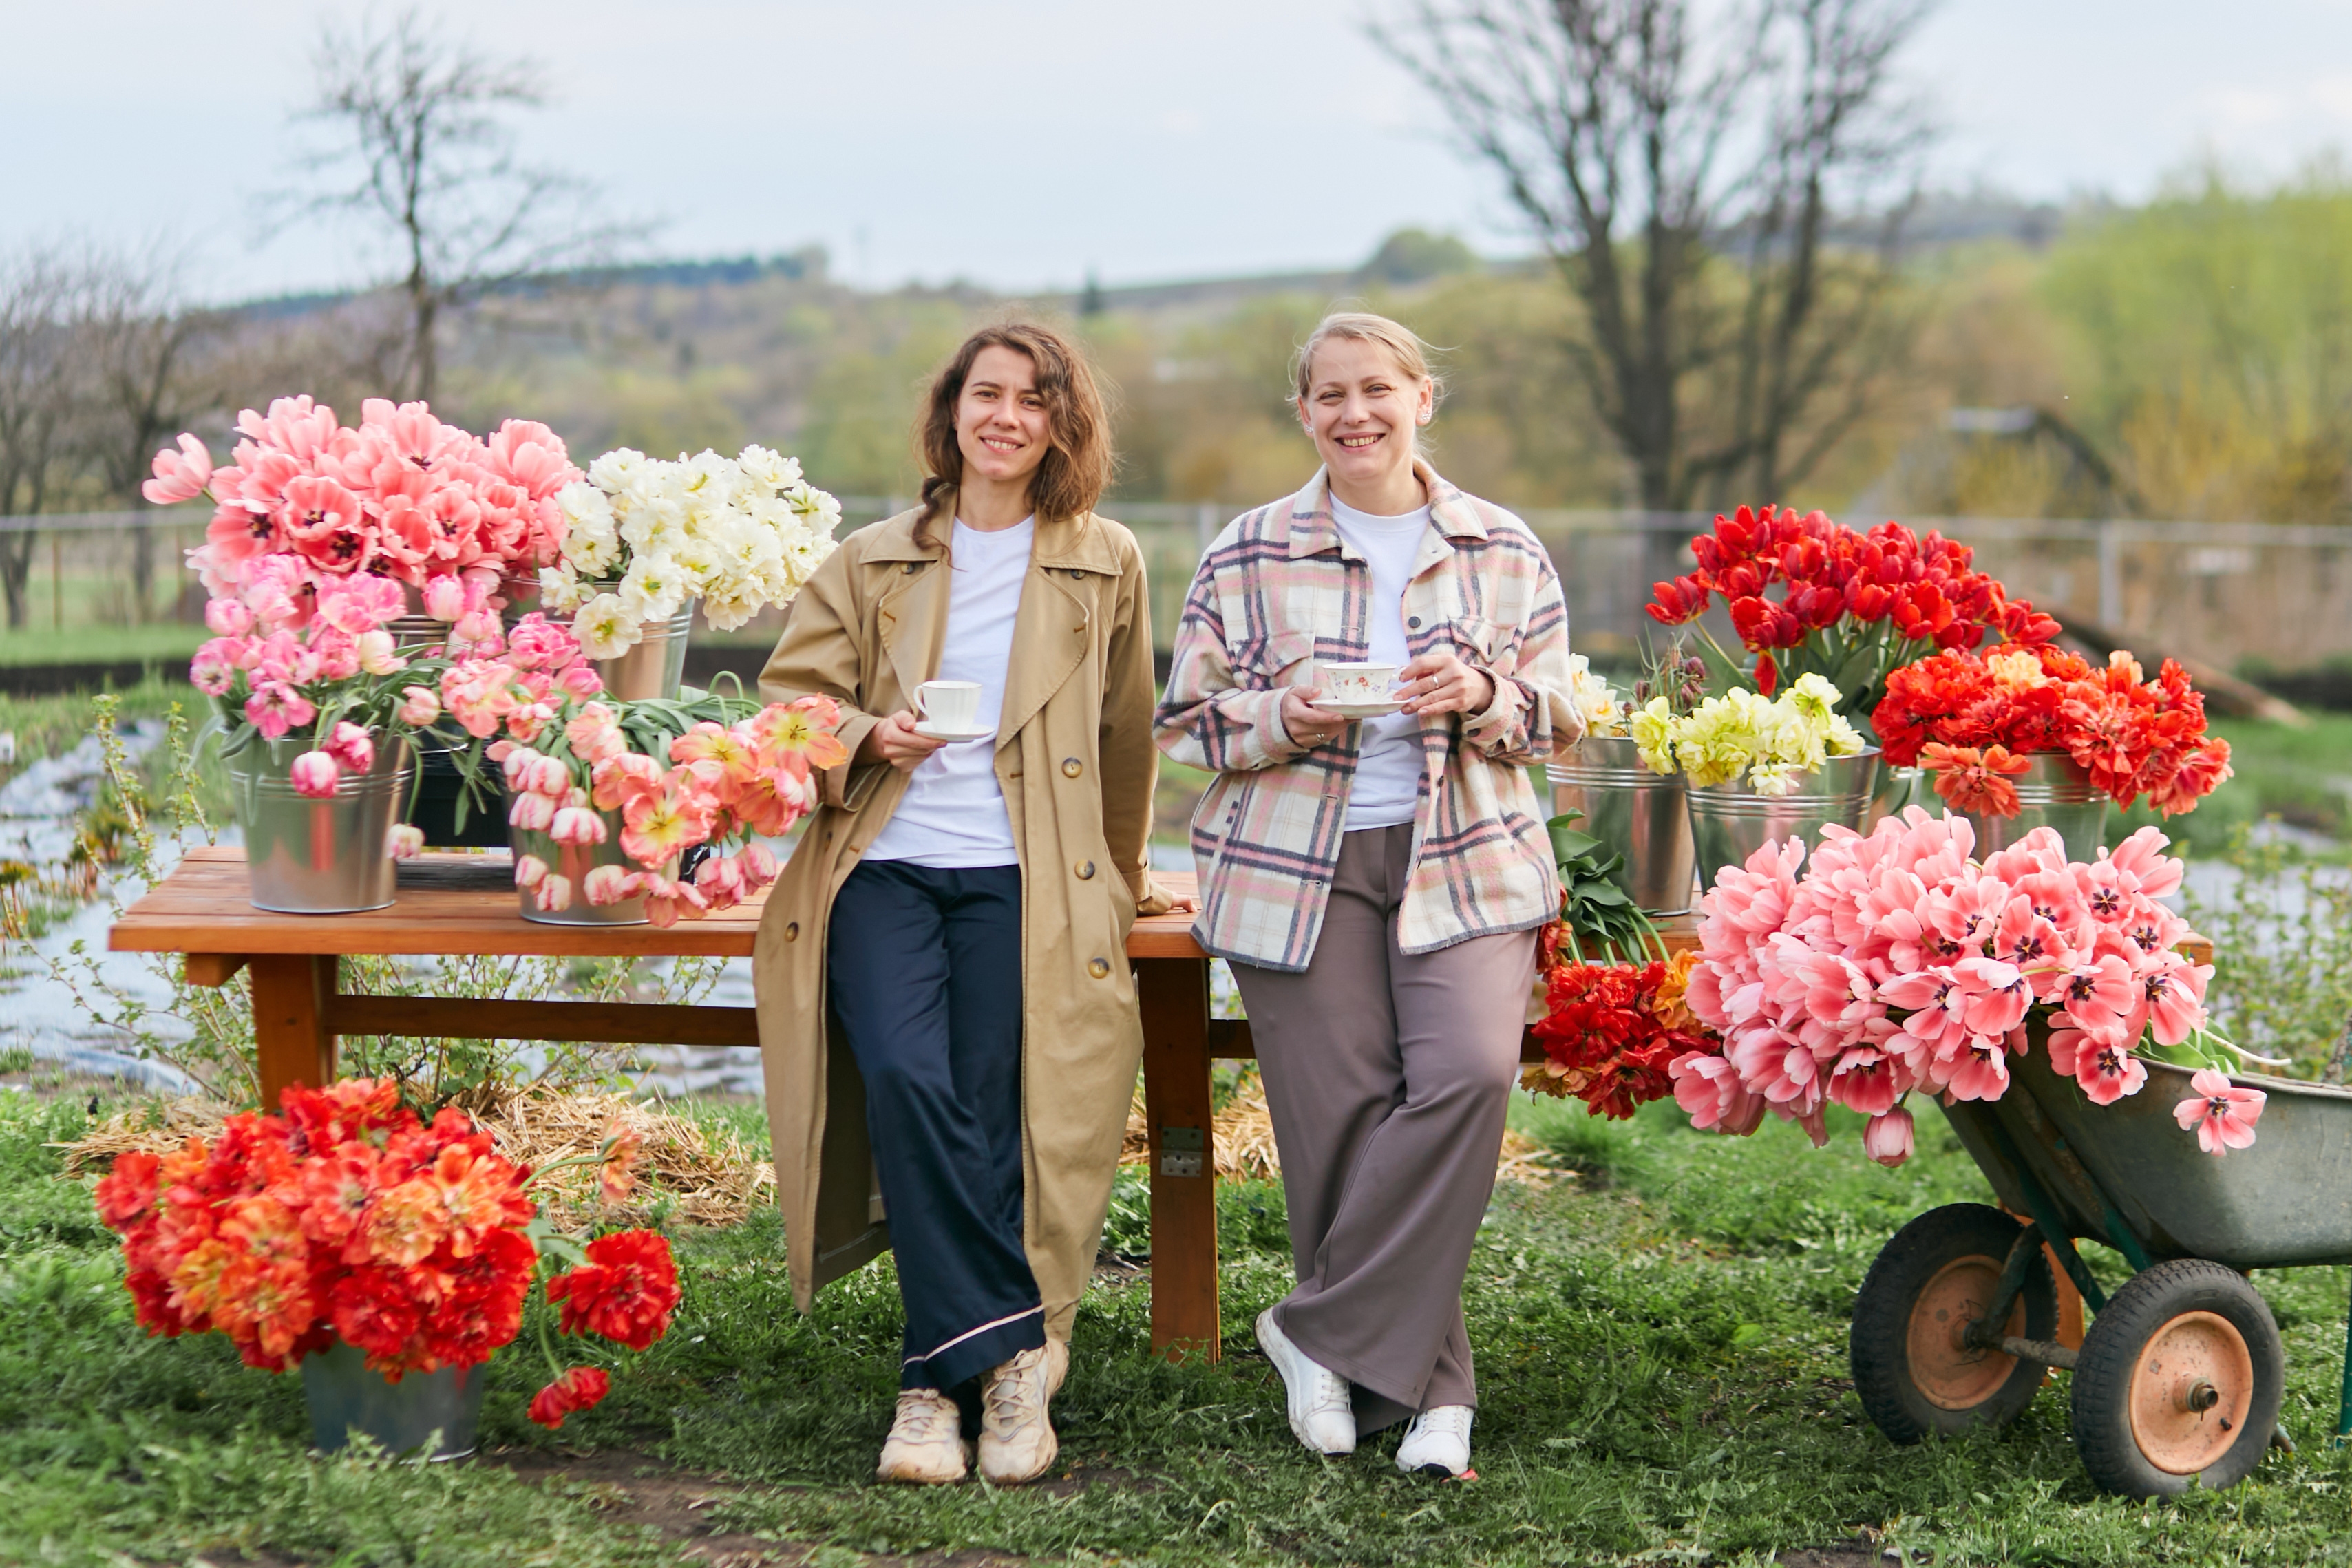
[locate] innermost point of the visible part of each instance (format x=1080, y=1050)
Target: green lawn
x=167, y=643
x=1662, y=1342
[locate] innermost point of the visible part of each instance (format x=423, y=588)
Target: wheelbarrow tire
x=2180, y=1381
x=1915, y=1379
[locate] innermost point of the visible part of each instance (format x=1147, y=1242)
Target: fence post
x=2111, y=574
x=1204, y=523
x=57, y=584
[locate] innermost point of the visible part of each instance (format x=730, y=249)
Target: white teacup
x=1356, y=684
x=952, y=706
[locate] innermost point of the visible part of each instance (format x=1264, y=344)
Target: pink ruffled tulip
x=581, y=680
x=404, y=842
x=276, y=707
x=2221, y=1114
x=352, y=747
x=531, y=811
x=1888, y=1139
x=529, y=870
x=215, y=668
x=379, y=655
x=553, y=894
x=227, y=617
x=419, y=706
x=315, y=774
x=610, y=885
x=178, y=476
x=574, y=825
x=548, y=776
x=666, y=899
x=444, y=598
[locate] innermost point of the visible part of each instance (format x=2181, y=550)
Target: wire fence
x=2228, y=594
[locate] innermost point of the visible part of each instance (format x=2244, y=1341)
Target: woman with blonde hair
x=1378, y=880
x=945, y=1002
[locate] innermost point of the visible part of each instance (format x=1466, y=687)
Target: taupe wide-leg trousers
x=1387, y=1076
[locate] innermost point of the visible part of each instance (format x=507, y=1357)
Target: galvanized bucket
x=323, y=855
x=1897, y=789
x=344, y=1398
x=656, y=666
x=2056, y=790
x=1729, y=822
x=1639, y=814
x=575, y=861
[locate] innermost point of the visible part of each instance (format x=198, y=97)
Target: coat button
x=791, y=930
x=913, y=567
x=1072, y=767
x=1098, y=967
x=1414, y=622
x=1085, y=870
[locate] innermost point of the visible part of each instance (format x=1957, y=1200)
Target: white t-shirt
x=1389, y=767
x=953, y=814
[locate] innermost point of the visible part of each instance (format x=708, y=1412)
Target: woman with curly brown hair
x=945, y=1001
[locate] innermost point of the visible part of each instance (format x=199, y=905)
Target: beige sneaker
x=1016, y=1437
x=927, y=1444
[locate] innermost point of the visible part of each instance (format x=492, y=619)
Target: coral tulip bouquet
x=346, y=1217
x=1974, y=721
x=663, y=775
x=1851, y=607
x=1897, y=965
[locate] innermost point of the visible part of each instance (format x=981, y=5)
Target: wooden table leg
x=290, y=994
x=1174, y=992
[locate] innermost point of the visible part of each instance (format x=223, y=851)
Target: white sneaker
x=1320, y=1415
x=1016, y=1433
x=927, y=1444
x=1437, y=1443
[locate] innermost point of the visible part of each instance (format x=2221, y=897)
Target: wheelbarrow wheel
x=2180, y=1381
x=1916, y=1376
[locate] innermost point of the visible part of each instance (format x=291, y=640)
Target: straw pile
x=685, y=1171
x=1245, y=1139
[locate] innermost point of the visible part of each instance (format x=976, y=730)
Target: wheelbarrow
x=2180, y=1375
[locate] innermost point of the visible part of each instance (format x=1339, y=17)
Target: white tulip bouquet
x=645, y=537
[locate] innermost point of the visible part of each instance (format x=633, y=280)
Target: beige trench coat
x=1075, y=757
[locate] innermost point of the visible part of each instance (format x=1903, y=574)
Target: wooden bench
x=201, y=910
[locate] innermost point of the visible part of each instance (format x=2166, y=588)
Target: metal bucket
x=1729, y=822
x=2056, y=790
x=323, y=855
x=656, y=666
x=575, y=861
x=1639, y=814
x=1899, y=788
x=344, y=1398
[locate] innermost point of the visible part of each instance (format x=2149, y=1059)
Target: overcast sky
x=1023, y=145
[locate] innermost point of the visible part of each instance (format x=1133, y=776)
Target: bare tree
x=137, y=336
x=40, y=303
x=426, y=155
x=1685, y=170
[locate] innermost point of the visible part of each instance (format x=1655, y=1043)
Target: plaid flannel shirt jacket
x=1280, y=589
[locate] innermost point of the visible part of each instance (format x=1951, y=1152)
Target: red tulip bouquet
x=1851, y=607
x=347, y=1217
x=1974, y=721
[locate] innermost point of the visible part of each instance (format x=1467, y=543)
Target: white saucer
x=1358, y=709
x=927, y=729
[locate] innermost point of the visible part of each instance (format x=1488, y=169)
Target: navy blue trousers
x=923, y=969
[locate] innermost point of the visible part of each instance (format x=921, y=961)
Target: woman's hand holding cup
x=1439, y=683
x=896, y=741
x=1308, y=725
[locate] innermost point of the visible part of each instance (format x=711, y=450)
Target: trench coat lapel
x=912, y=616
x=1056, y=623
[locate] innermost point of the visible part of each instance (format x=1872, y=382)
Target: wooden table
x=201, y=910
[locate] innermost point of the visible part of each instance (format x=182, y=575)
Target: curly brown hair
x=1078, y=467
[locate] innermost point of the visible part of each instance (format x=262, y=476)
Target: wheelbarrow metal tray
x=2287, y=1200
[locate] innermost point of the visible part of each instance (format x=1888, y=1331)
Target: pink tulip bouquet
x=325, y=538
x=1897, y=965
x=310, y=502
x=660, y=775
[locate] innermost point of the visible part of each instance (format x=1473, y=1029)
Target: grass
x=1662, y=1342
x=2301, y=777
x=165, y=642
